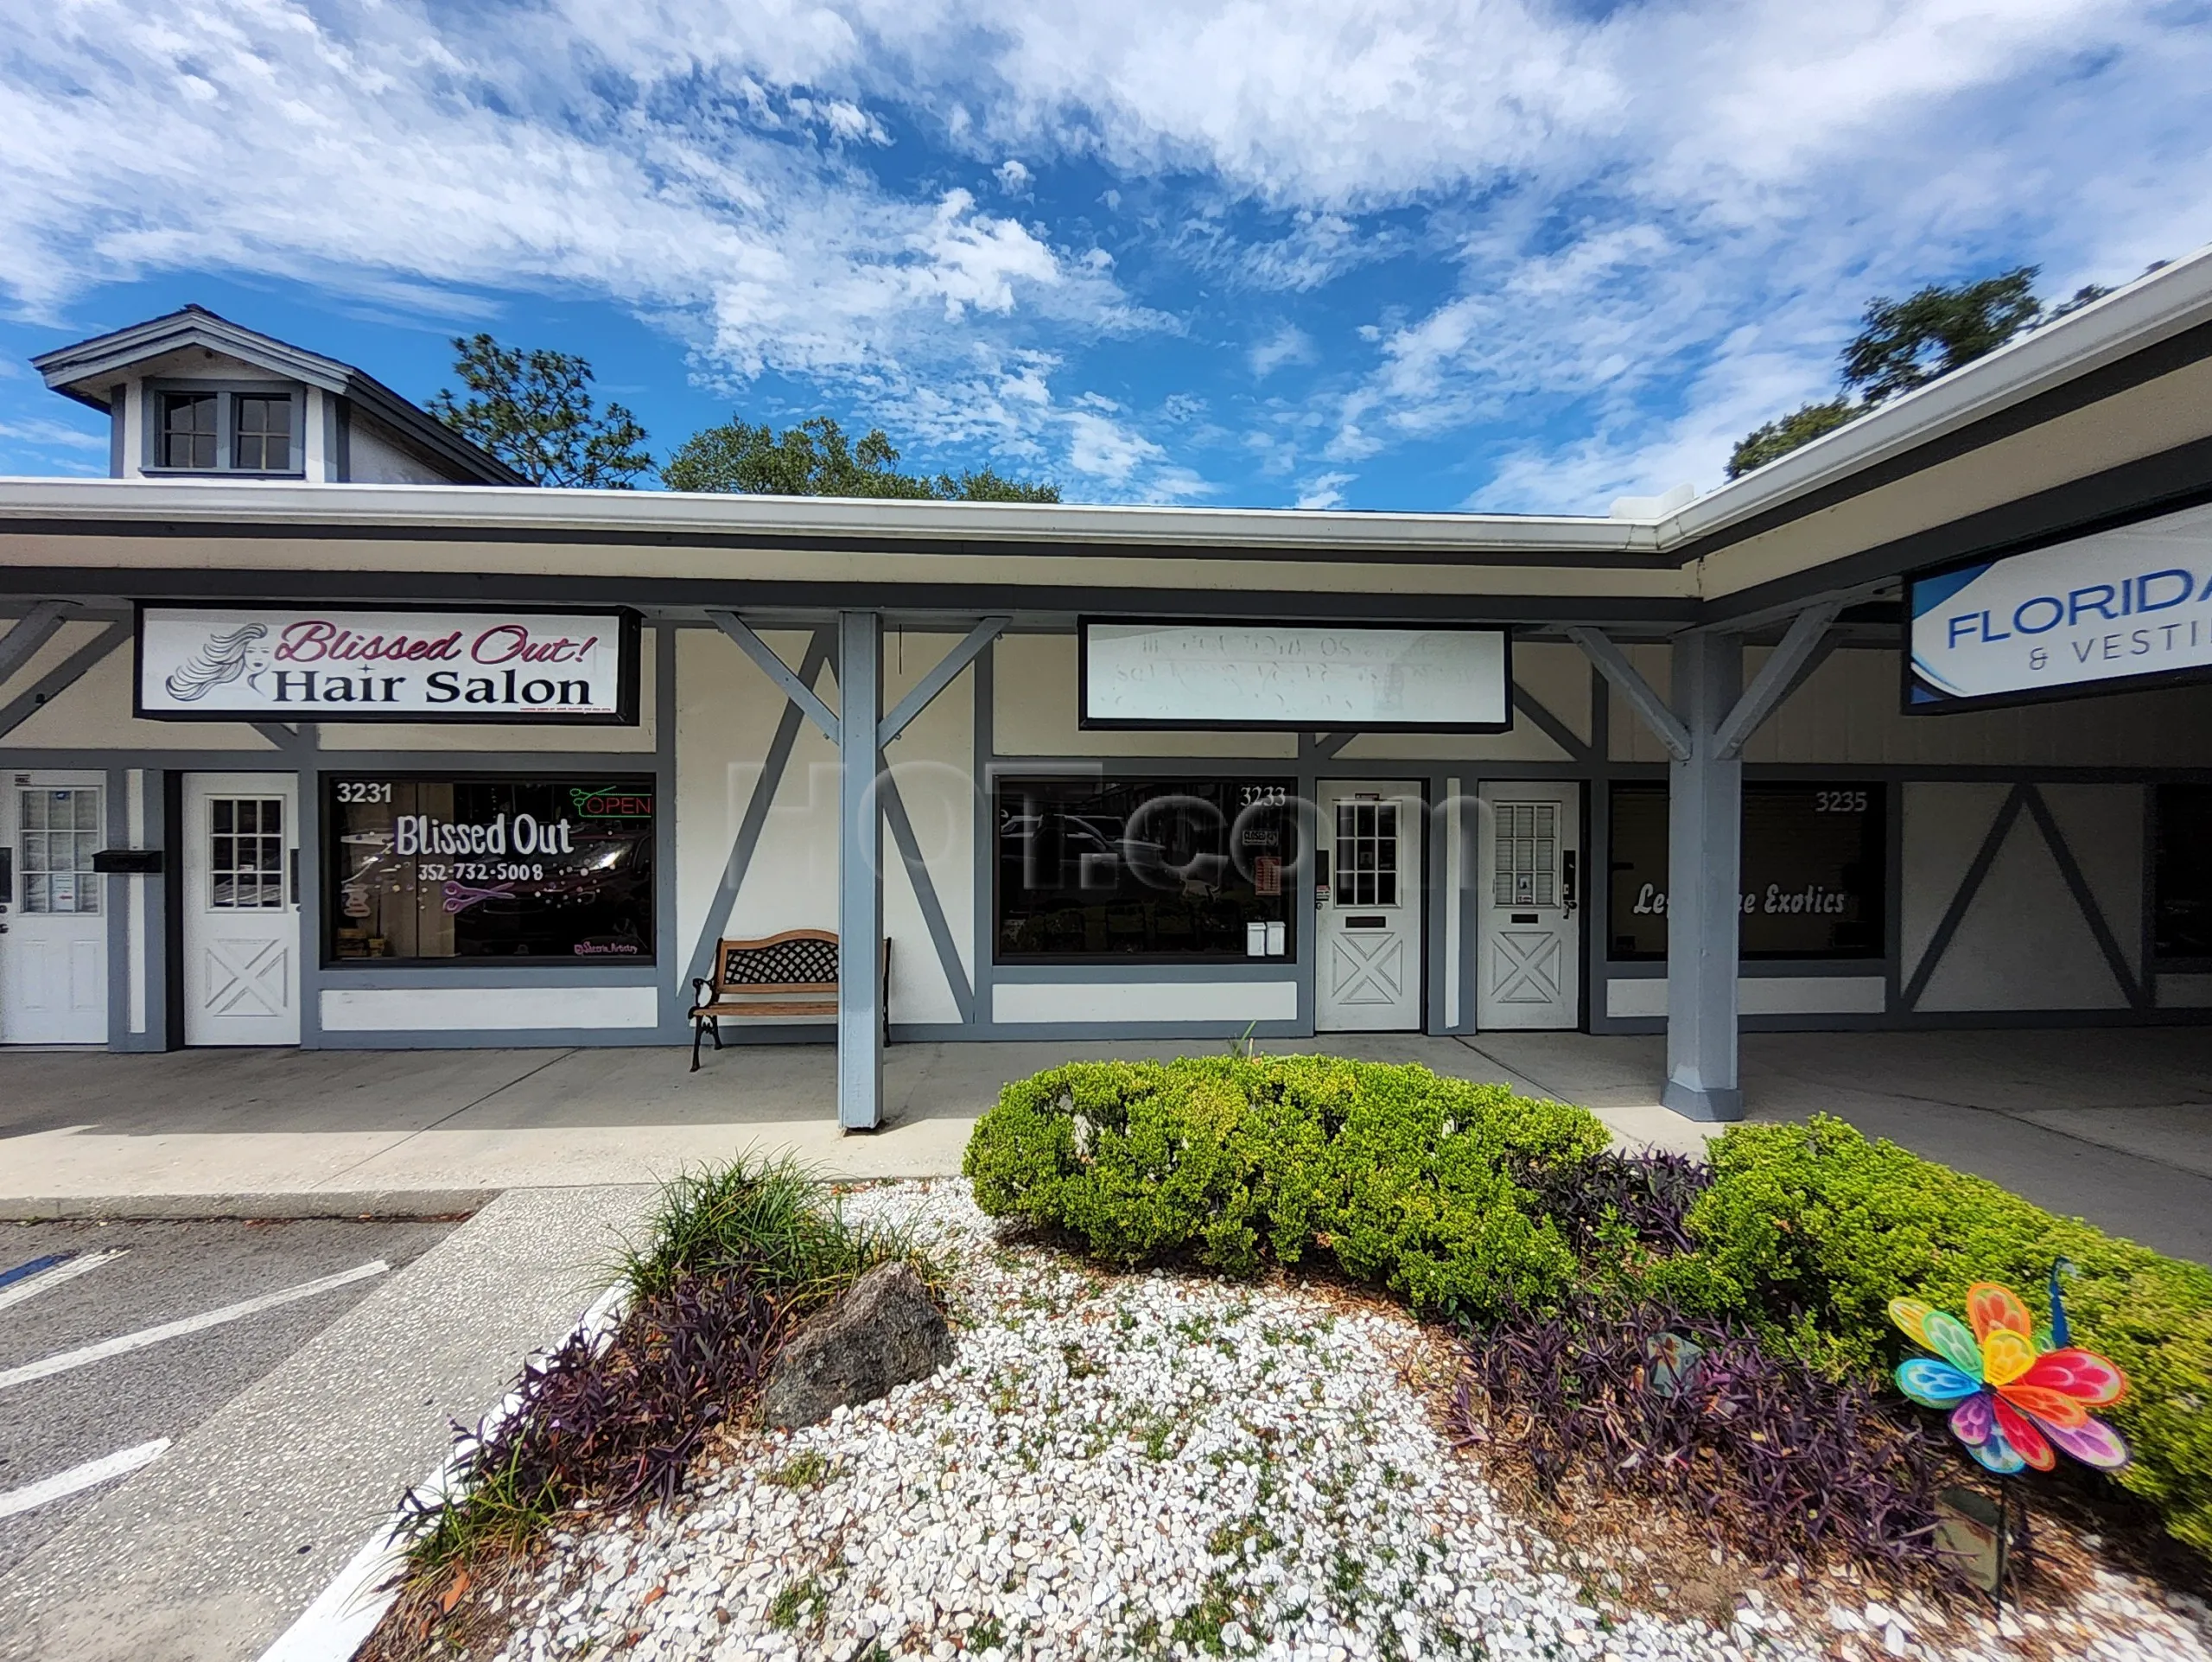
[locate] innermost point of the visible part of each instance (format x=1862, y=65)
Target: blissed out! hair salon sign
x=327, y=664
x=2131, y=604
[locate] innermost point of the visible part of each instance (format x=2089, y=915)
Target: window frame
x=227, y=394
x=1139, y=963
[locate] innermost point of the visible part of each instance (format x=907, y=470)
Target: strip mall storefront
x=1906, y=730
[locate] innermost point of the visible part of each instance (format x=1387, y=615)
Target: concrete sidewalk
x=2114, y=1124
x=304, y=1133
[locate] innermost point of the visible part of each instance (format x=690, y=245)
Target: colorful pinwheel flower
x=2012, y=1397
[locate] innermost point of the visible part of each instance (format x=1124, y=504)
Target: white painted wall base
x=1145, y=1001
x=1772, y=995
x=494, y=1009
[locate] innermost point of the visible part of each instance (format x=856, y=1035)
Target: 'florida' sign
x=319, y=663
x=2127, y=605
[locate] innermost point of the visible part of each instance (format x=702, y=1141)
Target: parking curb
x=380, y=1204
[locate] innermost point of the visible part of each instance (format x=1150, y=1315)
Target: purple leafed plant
x=1649, y=1194
x=1783, y=1462
x=620, y=1423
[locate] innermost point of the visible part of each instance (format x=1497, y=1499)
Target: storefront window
x=2183, y=881
x=1154, y=868
x=429, y=869
x=1812, y=871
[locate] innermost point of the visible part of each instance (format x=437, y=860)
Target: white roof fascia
x=2153, y=308
x=158, y=337
x=465, y=507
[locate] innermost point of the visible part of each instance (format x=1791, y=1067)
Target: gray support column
x=1704, y=899
x=860, y=873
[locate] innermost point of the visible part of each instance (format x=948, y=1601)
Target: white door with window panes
x=1368, y=970
x=54, y=952
x=1527, y=944
x=241, y=905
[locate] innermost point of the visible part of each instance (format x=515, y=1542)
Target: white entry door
x=53, y=956
x=241, y=909
x=1368, y=978
x=1528, y=956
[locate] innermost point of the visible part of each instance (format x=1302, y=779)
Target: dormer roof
x=89, y=371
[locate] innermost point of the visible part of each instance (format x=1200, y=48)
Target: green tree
x=1903, y=344
x=816, y=458
x=534, y=411
x=1802, y=426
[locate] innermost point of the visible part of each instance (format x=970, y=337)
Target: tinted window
x=263, y=440
x=2183, y=903
x=1140, y=868
x=447, y=867
x=1813, y=878
x=188, y=430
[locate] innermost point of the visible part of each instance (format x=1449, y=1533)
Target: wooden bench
x=774, y=978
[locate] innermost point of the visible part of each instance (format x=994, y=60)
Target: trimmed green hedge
x=1402, y=1177
x=1398, y=1174
x=1810, y=1230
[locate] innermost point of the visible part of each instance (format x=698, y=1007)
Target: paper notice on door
x=62, y=891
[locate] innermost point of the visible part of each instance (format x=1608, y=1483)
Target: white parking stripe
x=81, y=1477
x=48, y=1366
x=68, y=1269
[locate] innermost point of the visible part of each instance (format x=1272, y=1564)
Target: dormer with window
x=192, y=395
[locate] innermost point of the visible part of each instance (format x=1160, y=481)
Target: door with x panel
x=1368, y=976
x=241, y=905
x=1528, y=949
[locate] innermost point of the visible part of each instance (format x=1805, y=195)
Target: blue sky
x=1481, y=254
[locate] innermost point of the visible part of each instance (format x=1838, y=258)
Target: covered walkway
x=2111, y=1125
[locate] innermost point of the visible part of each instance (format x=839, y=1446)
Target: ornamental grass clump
x=1775, y=1458
x=1400, y=1176
x=732, y=1259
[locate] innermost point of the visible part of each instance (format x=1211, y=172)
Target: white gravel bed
x=1150, y=1466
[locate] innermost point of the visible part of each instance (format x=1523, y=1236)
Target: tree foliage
x=816, y=458
x=534, y=411
x=1903, y=344
x=1784, y=433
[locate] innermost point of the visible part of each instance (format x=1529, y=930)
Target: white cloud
x=1325, y=491
x=371, y=152
x=1653, y=223
x=53, y=434
x=1287, y=345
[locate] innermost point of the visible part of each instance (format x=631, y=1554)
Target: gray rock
x=883, y=1332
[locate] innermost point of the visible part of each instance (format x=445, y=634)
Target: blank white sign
x=1196, y=675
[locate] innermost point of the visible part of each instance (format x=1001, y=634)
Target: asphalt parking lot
x=89, y=1302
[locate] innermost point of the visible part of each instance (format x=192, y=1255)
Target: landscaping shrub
x=1780, y=1461
x=613, y=1424
x=731, y=1258
x=1808, y=1231
x=1607, y=1202
x=1405, y=1178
